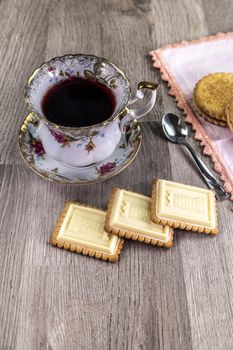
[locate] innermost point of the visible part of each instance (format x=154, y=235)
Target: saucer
x=40, y=162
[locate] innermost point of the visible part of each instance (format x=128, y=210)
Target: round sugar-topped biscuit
x=229, y=114
x=210, y=119
x=212, y=93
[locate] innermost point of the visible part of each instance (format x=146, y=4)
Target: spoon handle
x=209, y=178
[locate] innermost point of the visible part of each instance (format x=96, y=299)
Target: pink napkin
x=182, y=65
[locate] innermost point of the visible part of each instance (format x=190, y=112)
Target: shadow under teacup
x=83, y=105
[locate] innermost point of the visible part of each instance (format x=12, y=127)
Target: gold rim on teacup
x=122, y=112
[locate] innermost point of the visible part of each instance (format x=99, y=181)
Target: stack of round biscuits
x=213, y=98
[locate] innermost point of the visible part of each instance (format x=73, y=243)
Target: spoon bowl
x=173, y=128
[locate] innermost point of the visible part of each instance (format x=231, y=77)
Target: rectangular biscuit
x=128, y=216
x=183, y=206
x=81, y=229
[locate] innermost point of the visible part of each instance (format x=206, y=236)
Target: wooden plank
x=218, y=16
x=22, y=45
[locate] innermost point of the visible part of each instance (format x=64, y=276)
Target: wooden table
x=153, y=298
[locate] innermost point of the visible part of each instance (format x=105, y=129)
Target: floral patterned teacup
x=82, y=146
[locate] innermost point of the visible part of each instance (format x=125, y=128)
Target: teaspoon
x=177, y=131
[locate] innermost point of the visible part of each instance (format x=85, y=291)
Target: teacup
x=83, y=146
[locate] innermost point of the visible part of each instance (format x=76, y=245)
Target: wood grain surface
x=177, y=299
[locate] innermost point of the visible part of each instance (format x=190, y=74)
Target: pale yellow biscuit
x=128, y=216
x=80, y=229
x=212, y=93
x=182, y=206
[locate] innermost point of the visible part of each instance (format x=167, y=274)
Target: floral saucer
x=34, y=155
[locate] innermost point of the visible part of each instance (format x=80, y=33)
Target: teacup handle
x=136, y=113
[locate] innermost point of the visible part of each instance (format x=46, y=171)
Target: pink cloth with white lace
x=182, y=65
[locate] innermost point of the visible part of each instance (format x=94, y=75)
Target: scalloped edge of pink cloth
x=200, y=134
